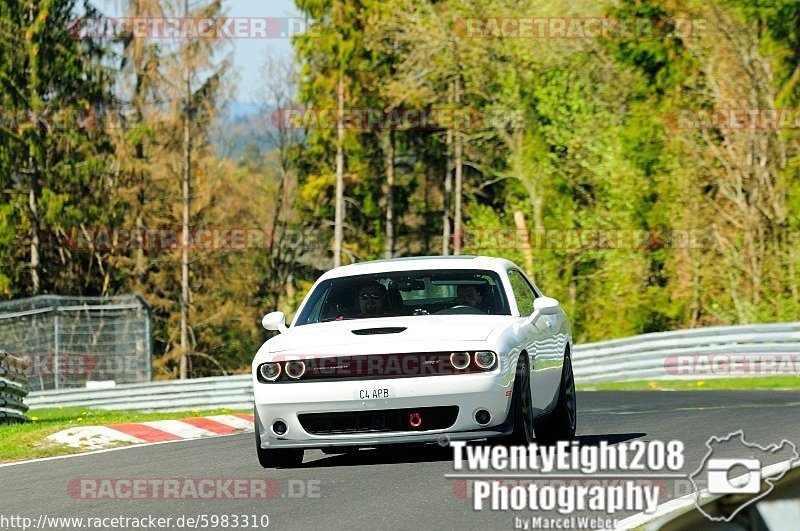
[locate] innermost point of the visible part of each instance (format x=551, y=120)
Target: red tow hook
x=415, y=420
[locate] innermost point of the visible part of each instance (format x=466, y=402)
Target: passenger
x=468, y=295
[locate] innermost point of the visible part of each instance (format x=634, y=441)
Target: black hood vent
x=376, y=331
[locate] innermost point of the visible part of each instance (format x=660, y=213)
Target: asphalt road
x=394, y=489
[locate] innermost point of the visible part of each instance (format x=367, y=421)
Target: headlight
x=295, y=369
x=459, y=360
x=485, y=359
x=270, y=371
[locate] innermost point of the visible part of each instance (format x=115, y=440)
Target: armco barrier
x=13, y=389
x=229, y=392
x=725, y=351
x=642, y=357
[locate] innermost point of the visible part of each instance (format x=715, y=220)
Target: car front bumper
x=470, y=392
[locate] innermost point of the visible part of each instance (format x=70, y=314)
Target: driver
x=372, y=300
x=468, y=295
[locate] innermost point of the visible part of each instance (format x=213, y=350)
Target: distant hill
x=243, y=123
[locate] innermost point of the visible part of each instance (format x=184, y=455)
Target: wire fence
x=69, y=341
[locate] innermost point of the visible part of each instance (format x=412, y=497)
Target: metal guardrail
x=13, y=389
x=720, y=351
x=647, y=356
x=228, y=392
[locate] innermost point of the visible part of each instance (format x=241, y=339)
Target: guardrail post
x=149, y=346
x=56, y=347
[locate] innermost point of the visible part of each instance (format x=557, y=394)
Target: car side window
x=523, y=293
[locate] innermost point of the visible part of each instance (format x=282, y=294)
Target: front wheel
x=279, y=458
x=521, y=406
x=560, y=424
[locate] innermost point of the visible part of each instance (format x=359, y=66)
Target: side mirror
x=546, y=305
x=274, y=321
x=543, y=306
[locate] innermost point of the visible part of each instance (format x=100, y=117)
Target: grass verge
x=766, y=382
x=29, y=441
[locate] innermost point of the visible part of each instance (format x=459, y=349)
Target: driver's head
x=468, y=294
x=372, y=299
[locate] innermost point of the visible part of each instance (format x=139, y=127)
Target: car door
x=541, y=342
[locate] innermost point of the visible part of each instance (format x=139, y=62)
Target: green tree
x=54, y=92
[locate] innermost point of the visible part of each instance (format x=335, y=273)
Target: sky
x=248, y=54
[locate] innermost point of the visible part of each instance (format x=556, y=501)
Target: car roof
x=417, y=263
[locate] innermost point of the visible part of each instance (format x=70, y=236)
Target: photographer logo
x=733, y=466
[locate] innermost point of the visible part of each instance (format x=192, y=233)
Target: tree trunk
x=389, y=252
x=448, y=192
x=276, y=218
x=458, y=166
x=338, y=229
x=33, y=206
x=524, y=239
x=140, y=267
x=185, y=254
x=426, y=201
x=34, y=156
x=187, y=161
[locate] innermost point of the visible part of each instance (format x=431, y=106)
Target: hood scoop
x=376, y=331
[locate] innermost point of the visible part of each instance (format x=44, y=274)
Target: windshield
x=402, y=293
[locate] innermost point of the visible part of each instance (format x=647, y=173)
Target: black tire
x=279, y=458
x=521, y=406
x=560, y=424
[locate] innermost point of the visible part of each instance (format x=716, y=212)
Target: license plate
x=373, y=393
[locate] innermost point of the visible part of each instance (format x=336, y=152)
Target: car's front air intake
x=376, y=331
x=380, y=420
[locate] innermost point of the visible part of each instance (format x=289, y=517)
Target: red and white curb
x=91, y=437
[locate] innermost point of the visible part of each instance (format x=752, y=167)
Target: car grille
x=382, y=420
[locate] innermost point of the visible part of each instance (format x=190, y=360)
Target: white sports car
x=414, y=350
